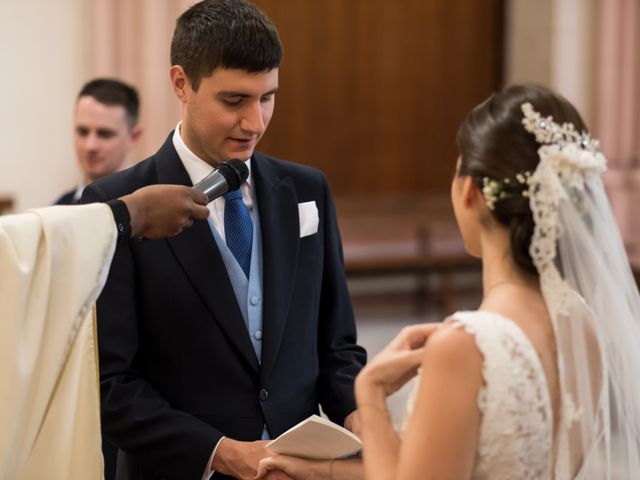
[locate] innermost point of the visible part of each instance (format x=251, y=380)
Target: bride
x=541, y=381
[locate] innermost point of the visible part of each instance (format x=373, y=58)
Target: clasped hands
x=252, y=460
x=385, y=374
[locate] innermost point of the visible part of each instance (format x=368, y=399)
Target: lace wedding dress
x=594, y=306
x=517, y=419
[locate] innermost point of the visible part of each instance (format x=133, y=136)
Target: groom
x=239, y=328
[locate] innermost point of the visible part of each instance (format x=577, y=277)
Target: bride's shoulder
x=454, y=349
x=462, y=339
x=451, y=363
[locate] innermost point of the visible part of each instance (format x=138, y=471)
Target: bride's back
x=527, y=309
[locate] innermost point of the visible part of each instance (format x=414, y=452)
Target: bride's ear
x=471, y=194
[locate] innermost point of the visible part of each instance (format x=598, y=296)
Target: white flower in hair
x=495, y=190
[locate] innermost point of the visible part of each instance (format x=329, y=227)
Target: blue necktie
x=238, y=229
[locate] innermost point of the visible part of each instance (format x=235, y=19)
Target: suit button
x=264, y=395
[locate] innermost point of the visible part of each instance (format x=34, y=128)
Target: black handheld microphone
x=224, y=178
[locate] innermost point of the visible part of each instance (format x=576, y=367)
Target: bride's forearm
x=380, y=439
x=350, y=469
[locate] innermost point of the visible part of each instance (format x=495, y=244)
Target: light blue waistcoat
x=248, y=291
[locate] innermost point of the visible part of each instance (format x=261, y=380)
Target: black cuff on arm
x=122, y=218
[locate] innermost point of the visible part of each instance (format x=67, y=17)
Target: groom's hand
x=240, y=459
x=352, y=422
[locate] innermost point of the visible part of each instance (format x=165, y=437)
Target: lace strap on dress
x=515, y=396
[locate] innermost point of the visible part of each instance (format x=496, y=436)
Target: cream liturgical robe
x=54, y=263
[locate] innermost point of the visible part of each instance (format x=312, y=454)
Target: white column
x=574, y=54
x=589, y=51
x=528, y=41
x=619, y=112
x=553, y=43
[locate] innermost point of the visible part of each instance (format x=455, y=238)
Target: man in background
x=236, y=330
x=106, y=130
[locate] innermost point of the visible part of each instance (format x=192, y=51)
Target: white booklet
x=316, y=438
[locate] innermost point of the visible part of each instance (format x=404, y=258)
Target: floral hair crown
x=562, y=136
x=547, y=133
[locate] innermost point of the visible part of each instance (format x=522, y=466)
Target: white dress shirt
x=197, y=169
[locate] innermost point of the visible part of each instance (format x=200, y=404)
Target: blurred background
x=371, y=92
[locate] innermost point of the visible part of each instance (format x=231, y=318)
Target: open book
x=316, y=438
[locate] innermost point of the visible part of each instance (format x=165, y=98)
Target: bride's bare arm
x=441, y=437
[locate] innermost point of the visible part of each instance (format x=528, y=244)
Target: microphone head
x=235, y=172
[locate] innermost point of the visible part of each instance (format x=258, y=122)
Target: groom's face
x=228, y=114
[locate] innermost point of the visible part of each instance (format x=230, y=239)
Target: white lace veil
x=593, y=302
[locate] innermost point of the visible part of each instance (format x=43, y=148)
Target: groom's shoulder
x=286, y=168
x=126, y=181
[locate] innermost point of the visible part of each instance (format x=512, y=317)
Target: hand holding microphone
x=158, y=211
x=224, y=178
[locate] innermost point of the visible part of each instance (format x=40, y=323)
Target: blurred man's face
x=228, y=114
x=103, y=137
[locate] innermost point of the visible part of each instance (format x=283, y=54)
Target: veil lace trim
x=592, y=300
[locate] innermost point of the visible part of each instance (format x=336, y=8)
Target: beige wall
x=553, y=43
x=42, y=62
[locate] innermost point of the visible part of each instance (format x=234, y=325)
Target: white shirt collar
x=196, y=168
x=78, y=193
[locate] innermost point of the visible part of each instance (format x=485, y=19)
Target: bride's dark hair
x=493, y=143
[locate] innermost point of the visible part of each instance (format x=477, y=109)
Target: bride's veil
x=594, y=305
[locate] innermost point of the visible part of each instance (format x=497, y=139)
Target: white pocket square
x=308, y=212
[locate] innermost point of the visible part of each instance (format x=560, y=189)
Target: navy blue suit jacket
x=177, y=367
x=66, y=198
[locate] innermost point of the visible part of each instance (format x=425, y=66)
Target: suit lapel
x=201, y=261
x=279, y=222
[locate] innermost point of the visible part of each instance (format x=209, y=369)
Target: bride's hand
x=398, y=363
x=294, y=468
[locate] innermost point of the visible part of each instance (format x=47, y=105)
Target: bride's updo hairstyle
x=494, y=145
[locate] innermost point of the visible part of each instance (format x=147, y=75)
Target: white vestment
x=54, y=263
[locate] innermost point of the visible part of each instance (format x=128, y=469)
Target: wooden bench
x=6, y=204
x=404, y=234
x=411, y=234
